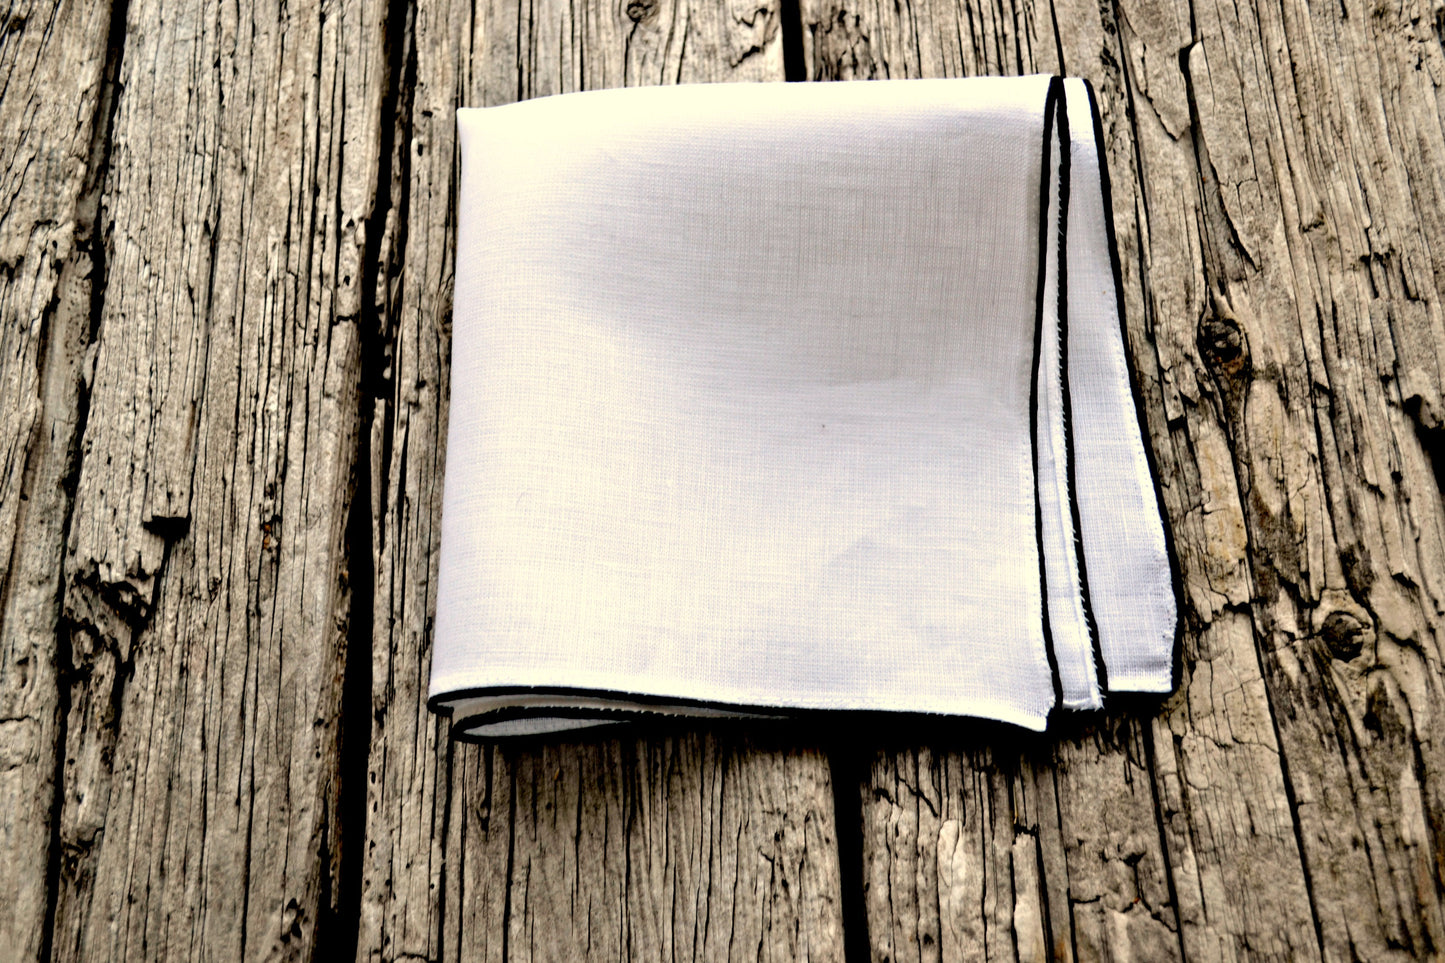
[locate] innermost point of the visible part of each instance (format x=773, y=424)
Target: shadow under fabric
x=779, y=398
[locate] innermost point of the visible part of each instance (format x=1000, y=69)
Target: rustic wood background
x=225, y=275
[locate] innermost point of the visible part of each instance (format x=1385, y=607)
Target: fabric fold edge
x=1068, y=620
x=1129, y=665
x=520, y=711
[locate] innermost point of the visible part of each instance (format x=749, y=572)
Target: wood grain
x=52, y=149
x=225, y=319
x=694, y=847
x=205, y=593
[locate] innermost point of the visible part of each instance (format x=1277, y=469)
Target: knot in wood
x=1222, y=344
x=640, y=10
x=1343, y=634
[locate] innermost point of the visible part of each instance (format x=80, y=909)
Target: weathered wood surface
x=52, y=68
x=205, y=584
x=225, y=312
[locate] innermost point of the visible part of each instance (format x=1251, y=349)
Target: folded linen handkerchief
x=783, y=397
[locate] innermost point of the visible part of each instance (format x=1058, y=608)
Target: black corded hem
x=438, y=702
x=1101, y=672
x=1053, y=103
x=730, y=714
x=1177, y=655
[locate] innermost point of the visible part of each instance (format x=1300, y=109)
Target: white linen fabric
x=776, y=398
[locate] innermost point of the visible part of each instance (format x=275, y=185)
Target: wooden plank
x=52, y=147
x=402, y=873
x=1275, y=217
x=696, y=846
x=1010, y=846
x=205, y=574
x=1318, y=132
